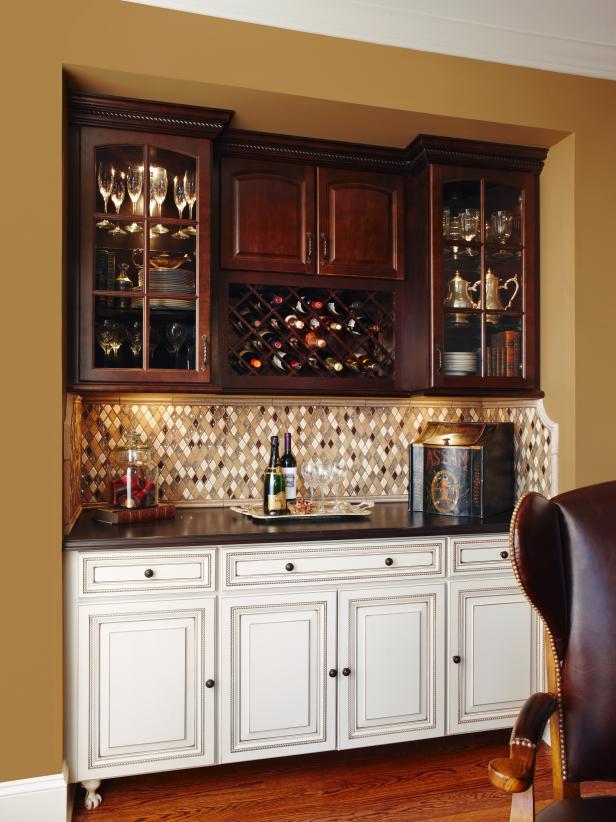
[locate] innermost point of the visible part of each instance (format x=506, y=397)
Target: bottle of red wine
x=271, y=298
x=289, y=470
x=265, y=339
x=304, y=304
x=243, y=319
x=274, y=497
x=325, y=323
x=285, y=362
x=246, y=360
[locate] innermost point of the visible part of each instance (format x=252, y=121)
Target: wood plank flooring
x=443, y=780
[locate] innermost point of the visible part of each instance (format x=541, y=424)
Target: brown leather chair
x=564, y=556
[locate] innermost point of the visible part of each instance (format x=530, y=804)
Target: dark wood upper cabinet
x=267, y=216
x=361, y=223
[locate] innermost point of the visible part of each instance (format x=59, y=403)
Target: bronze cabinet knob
x=505, y=554
x=346, y=672
x=149, y=573
x=333, y=672
x=457, y=659
x=209, y=683
x=389, y=561
x=289, y=566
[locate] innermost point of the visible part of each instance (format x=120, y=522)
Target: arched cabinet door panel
x=361, y=223
x=267, y=216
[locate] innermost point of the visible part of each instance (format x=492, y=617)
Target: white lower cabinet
x=391, y=652
x=493, y=653
x=277, y=695
x=142, y=692
x=335, y=646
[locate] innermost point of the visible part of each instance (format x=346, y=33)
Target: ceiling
x=571, y=36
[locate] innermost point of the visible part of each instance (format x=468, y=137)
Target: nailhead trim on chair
x=559, y=699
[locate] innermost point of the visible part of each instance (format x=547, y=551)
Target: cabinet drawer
x=303, y=565
x=118, y=572
x=470, y=555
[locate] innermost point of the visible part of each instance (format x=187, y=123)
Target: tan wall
x=237, y=62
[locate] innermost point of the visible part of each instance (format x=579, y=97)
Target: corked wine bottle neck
x=274, y=459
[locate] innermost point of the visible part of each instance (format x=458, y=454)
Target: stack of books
x=504, y=355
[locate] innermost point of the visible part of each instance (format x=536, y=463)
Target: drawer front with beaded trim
x=479, y=554
x=297, y=564
x=122, y=572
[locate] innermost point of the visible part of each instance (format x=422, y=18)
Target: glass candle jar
x=133, y=474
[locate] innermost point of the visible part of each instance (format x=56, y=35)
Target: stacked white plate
x=460, y=363
x=172, y=281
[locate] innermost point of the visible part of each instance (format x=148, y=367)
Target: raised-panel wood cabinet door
x=493, y=654
x=267, y=216
x=142, y=687
x=391, y=650
x=278, y=697
x=361, y=223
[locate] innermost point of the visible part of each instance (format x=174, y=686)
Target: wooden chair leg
x=523, y=806
x=561, y=788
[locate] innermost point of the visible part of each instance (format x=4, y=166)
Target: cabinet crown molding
x=428, y=148
x=146, y=115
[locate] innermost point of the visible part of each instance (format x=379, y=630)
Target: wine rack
x=302, y=333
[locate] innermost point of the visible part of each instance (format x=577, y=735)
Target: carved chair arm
x=515, y=774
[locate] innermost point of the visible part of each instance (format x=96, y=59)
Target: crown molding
x=428, y=148
x=146, y=115
x=497, y=38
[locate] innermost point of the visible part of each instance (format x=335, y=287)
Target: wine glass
x=501, y=223
x=154, y=342
x=190, y=190
x=118, y=192
x=339, y=474
x=308, y=471
x=103, y=338
x=106, y=175
x=117, y=333
x=469, y=226
x=179, y=196
x=134, y=335
x=134, y=184
x=158, y=186
x=175, y=333
x=323, y=471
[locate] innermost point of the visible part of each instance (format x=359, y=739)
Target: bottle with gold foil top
x=274, y=496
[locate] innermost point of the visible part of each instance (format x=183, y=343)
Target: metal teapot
x=459, y=296
x=494, y=285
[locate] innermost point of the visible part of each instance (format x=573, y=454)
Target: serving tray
x=349, y=509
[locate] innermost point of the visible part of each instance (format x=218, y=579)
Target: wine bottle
x=289, y=470
x=360, y=324
x=312, y=340
x=265, y=339
x=304, y=305
x=285, y=362
x=324, y=322
x=243, y=319
x=352, y=364
x=274, y=498
x=314, y=363
x=335, y=309
x=367, y=364
x=247, y=360
x=333, y=364
x=272, y=299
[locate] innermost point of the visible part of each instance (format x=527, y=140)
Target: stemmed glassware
x=323, y=472
x=103, y=338
x=308, y=470
x=134, y=335
x=190, y=192
x=501, y=224
x=158, y=190
x=179, y=198
x=118, y=332
x=176, y=335
x=339, y=474
x=106, y=174
x=469, y=226
x=134, y=186
x=118, y=193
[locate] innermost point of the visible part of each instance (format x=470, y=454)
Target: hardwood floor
x=443, y=780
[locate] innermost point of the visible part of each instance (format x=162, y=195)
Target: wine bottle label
x=276, y=502
x=290, y=481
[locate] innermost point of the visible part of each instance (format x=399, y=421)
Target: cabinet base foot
x=93, y=799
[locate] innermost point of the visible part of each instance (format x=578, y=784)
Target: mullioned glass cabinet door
x=485, y=279
x=144, y=256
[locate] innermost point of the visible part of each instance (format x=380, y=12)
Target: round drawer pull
x=209, y=683
x=333, y=672
x=457, y=659
x=389, y=561
x=289, y=566
x=346, y=672
x=149, y=573
x=505, y=554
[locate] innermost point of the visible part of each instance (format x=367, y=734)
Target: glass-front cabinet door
x=484, y=299
x=145, y=260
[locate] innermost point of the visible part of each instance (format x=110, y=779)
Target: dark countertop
x=221, y=526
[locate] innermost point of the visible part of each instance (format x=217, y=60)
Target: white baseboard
x=40, y=799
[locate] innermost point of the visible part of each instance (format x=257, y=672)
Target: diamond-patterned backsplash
x=213, y=450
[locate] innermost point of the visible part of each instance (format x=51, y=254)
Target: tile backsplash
x=211, y=450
